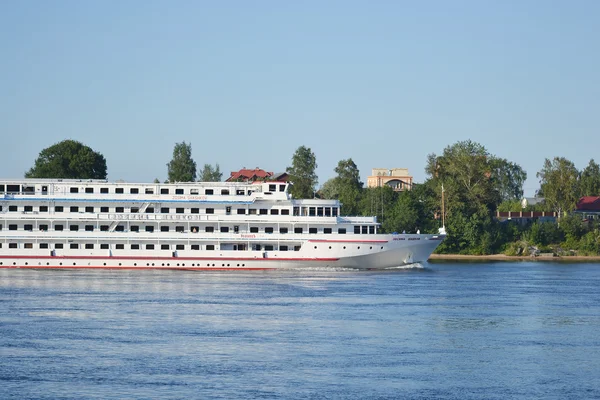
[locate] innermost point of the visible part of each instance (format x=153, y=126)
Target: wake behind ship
x=204, y=226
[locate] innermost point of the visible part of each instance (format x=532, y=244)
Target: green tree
x=68, y=159
x=509, y=178
x=211, y=174
x=302, y=173
x=349, y=186
x=330, y=189
x=589, y=180
x=182, y=168
x=558, y=181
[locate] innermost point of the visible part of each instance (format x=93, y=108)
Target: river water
x=521, y=330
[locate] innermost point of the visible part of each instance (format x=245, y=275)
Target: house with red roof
x=588, y=207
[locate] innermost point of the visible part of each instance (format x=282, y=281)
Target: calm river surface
x=441, y=330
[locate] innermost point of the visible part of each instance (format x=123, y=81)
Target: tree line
x=474, y=183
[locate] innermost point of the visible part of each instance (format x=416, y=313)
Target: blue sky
x=382, y=82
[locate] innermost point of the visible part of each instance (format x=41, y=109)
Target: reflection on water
x=524, y=330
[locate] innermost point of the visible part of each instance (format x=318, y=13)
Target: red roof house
x=249, y=175
x=589, y=203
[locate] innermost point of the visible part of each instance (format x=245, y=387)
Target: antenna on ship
x=443, y=228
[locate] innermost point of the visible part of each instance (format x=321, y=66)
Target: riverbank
x=502, y=257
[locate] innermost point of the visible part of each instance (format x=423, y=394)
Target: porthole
x=329, y=247
x=16, y=263
x=46, y=263
x=105, y=264
x=370, y=247
x=59, y=263
x=213, y=265
x=74, y=264
x=358, y=247
x=163, y=264
x=222, y=265
x=183, y=265
x=0, y=263
x=381, y=247
x=228, y=265
x=208, y=265
x=178, y=264
x=315, y=247
x=168, y=265
x=147, y=264
x=26, y=263
x=135, y=264
x=344, y=247
x=119, y=264
x=243, y=265
x=238, y=265
x=153, y=264
x=193, y=265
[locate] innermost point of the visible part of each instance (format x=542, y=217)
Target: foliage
x=68, y=159
x=302, y=173
x=210, y=173
x=510, y=205
x=589, y=180
x=182, y=168
x=330, y=189
x=558, y=181
x=509, y=178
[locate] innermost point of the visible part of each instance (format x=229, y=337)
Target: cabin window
x=210, y=210
x=228, y=210
x=239, y=192
x=326, y=230
x=104, y=246
x=89, y=209
x=119, y=209
x=272, y=188
x=334, y=212
x=253, y=229
x=180, y=247
x=312, y=230
x=58, y=227
x=149, y=228
x=104, y=228
x=12, y=245
x=74, y=209
x=297, y=248
x=74, y=246
x=1, y=188
x=264, y=211
x=134, y=190
x=283, y=248
x=341, y=231
x=28, y=208
x=149, y=247
x=104, y=190
x=283, y=230
x=195, y=211
x=274, y=211
x=179, y=229
x=210, y=247
x=120, y=246
x=12, y=208
x=178, y=191
x=119, y=190
x=282, y=188
x=241, y=211
x=372, y=229
x=164, y=228
x=28, y=227
x=164, y=210
x=12, y=227
x=269, y=247
x=312, y=211
x=195, y=247
x=179, y=210
x=165, y=247
x=149, y=191
x=209, y=229
x=365, y=229
x=89, y=228
x=43, y=245
x=356, y=229
x=252, y=211
x=135, y=210
x=297, y=230
x=269, y=229
x=225, y=192
x=74, y=190
x=150, y=210
x=194, y=191
x=164, y=190
x=209, y=191
x=13, y=188
x=120, y=228
x=224, y=229
x=134, y=228
x=328, y=211
x=43, y=227
x=89, y=246
x=319, y=211
x=58, y=246
x=103, y=209
x=42, y=209
x=89, y=190
x=135, y=247
x=58, y=209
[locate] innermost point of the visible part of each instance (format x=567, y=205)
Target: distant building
x=256, y=174
x=397, y=178
x=531, y=201
x=588, y=207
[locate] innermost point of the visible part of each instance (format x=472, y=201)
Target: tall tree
x=349, y=186
x=211, y=174
x=302, y=173
x=68, y=159
x=509, y=178
x=558, y=181
x=348, y=173
x=589, y=180
x=182, y=167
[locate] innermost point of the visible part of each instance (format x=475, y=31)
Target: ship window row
x=29, y=189
x=178, y=228
x=150, y=246
x=151, y=210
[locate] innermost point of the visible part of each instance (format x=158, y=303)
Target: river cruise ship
x=196, y=225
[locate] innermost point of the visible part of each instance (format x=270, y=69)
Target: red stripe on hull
x=132, y=268
x=346, y=241
x=164, y=258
